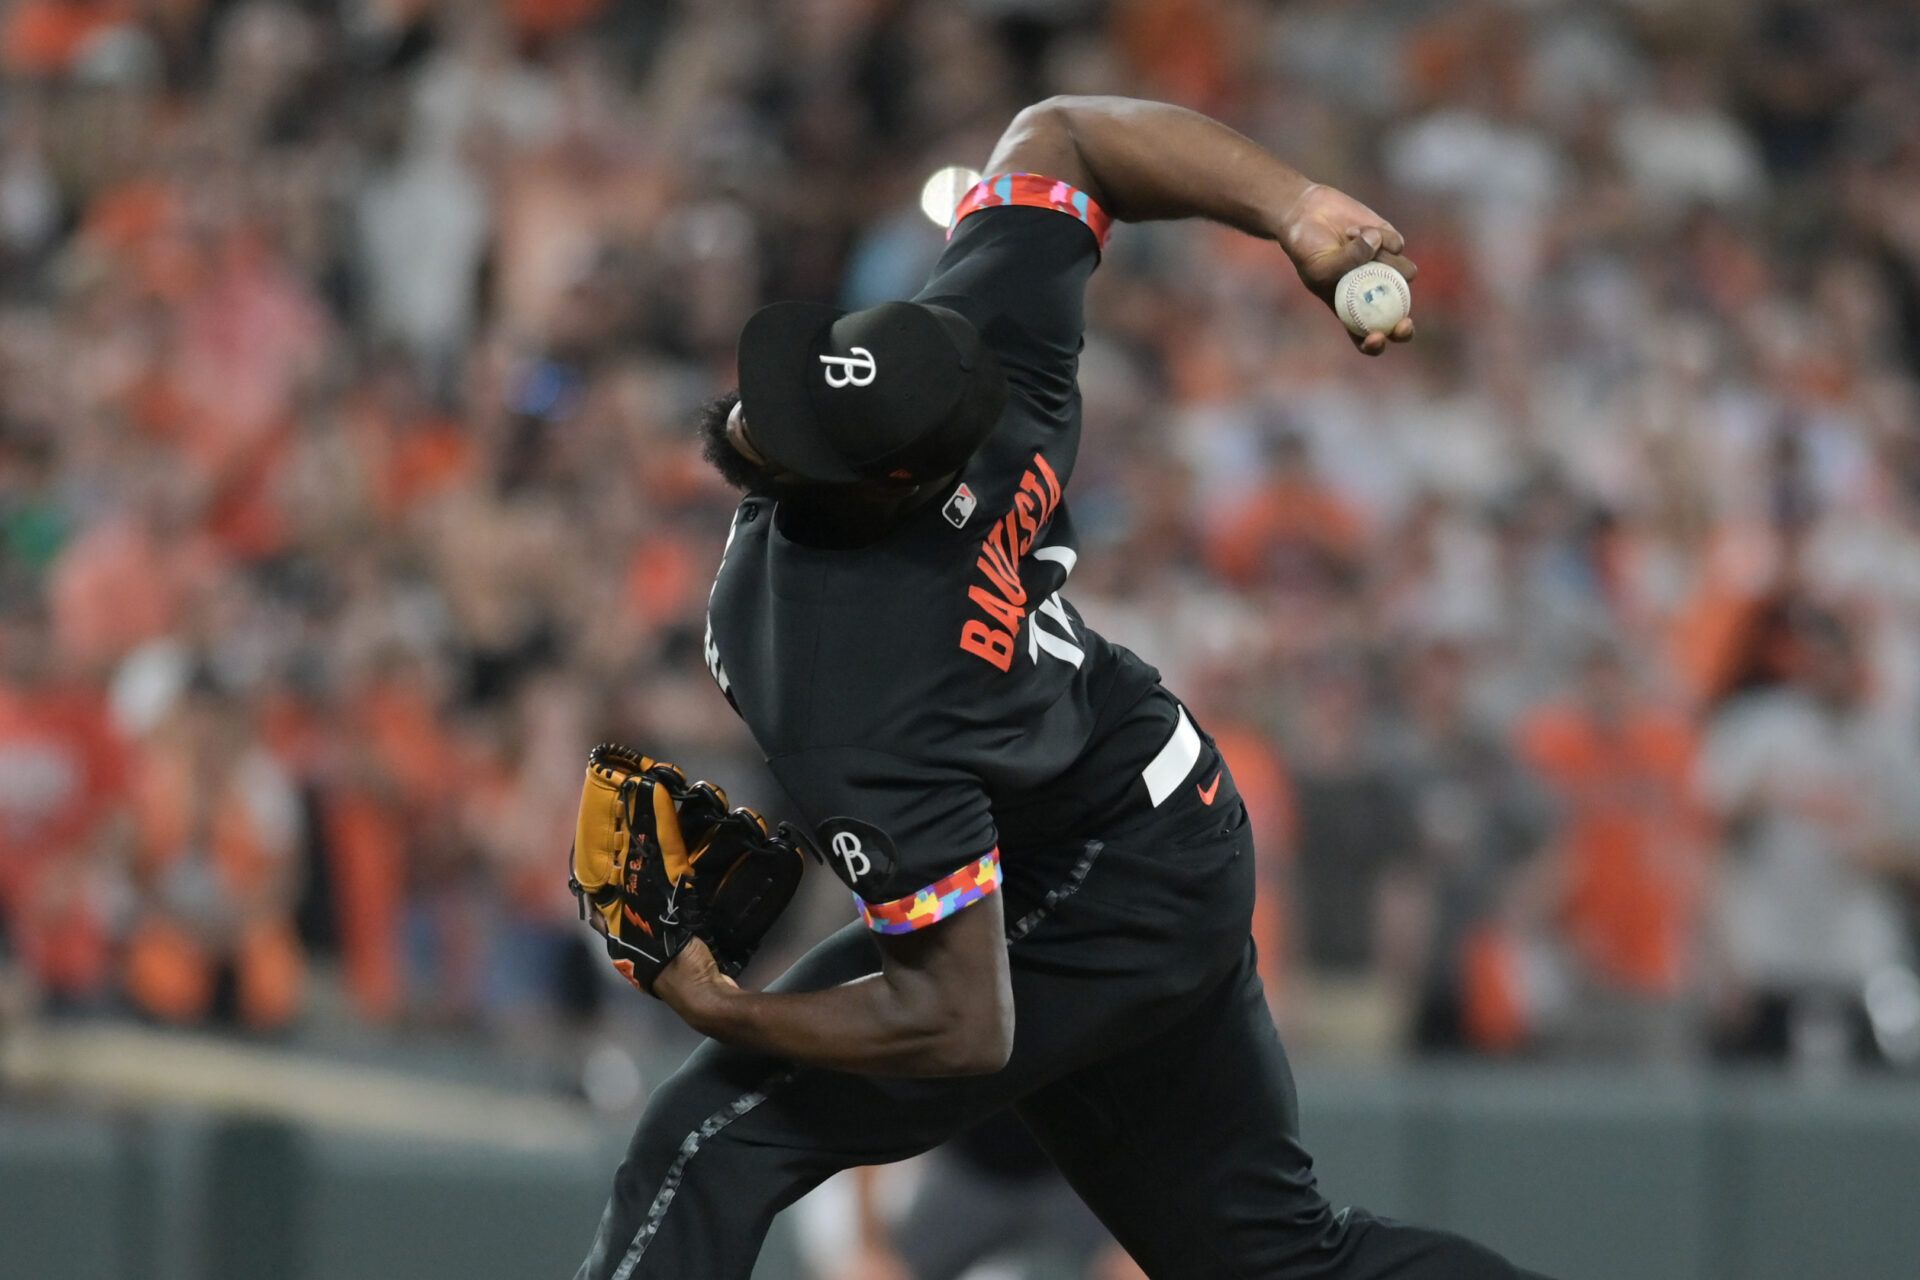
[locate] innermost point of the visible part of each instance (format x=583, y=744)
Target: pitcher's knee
x=1372, y=1245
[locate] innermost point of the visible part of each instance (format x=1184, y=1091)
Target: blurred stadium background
x=1570, y=658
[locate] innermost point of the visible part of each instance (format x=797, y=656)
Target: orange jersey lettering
x=988, y=643
x=1004, y=579
x=1003, y=597
x=1007, y=615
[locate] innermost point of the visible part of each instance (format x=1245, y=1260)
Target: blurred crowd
x=1570, y=657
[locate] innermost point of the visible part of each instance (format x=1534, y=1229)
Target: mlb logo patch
x=959, y=508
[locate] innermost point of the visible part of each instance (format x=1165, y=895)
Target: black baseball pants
x=1144, y=1062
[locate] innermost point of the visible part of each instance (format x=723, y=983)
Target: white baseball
x=1372, y=298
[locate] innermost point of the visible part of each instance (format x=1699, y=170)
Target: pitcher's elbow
x=981, y=1044
x=973, y=1053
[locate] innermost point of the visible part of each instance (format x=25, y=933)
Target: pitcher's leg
x=691, y=1198
x=1188, y=1149
x=965, y=1209
x=732, y=1138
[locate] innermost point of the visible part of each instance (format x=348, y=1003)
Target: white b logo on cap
x=855, y=370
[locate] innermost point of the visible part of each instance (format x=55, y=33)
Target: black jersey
x=931, y=701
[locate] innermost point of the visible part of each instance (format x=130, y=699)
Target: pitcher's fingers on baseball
x=1361, y=244
x=1374, y=344
x=1387, y=240
x=1399, y=262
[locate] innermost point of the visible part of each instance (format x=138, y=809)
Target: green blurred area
x=1584, y=1175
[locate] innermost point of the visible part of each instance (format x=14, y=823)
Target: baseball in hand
x=1372, y=298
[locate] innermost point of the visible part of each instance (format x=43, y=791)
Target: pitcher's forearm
x=941, y=1004
x=1145, y=161
x=863, y=1026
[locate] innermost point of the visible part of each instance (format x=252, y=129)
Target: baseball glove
x=658, y=861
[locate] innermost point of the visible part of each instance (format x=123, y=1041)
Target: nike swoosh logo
x=1212, y=789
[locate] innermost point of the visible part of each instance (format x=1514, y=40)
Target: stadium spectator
x=1631, y=850
x=1816, y=793
x=1353, y=866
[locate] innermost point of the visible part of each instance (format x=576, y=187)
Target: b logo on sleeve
x=852, y=854
x=860, y=853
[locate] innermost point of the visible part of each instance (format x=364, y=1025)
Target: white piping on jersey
x=708, y=648
x=1166, y=771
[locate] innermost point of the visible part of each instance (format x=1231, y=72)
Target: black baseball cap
x=903, y=391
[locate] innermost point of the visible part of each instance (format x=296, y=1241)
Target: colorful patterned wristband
x=1036, y=191
x=938, y=900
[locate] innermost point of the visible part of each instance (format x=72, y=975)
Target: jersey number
x=1039, y=639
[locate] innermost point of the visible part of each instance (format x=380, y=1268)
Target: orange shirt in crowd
x=43, y=37
x=662, y=580
x=366, y=841
x=1633, y=838
x=139, y=225
x=400, y=723
x=1185, y=48
x=184, y=809
x=427, y=460
x=1300, y=513
x=1269, y=799
x=551, y=17
x=61, y=765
